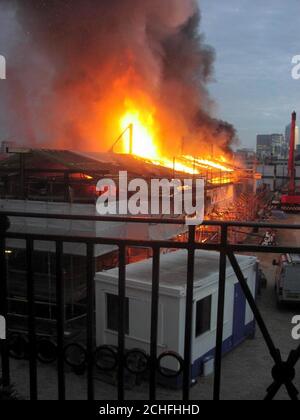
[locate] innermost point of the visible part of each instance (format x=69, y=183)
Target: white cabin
x=238, y=322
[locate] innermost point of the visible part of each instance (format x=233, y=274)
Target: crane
x=291, y=200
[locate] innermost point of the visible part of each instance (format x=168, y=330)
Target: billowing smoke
x=77, y=64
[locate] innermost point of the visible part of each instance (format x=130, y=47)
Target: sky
x=255, y=41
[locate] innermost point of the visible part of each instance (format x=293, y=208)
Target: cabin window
x=112, y=305
x=203, y=316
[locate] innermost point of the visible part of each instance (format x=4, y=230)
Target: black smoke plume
x=74, y=63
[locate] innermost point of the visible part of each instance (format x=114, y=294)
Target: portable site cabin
x=239, y=321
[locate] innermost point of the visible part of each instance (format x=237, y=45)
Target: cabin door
x=239, y=315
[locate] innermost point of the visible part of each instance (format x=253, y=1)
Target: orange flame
x=209, y=164
x=144, y=143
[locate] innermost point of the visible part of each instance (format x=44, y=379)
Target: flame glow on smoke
x=144, y=63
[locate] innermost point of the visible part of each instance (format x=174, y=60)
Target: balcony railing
x=283, y=372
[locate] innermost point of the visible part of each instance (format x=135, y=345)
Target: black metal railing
x=92, y=357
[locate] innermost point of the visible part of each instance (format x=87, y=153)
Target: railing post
x=91, y=321
x=220, y=317
x=121, y=332
x=4, y=226
x=31, y=320
x=60, y=322
x=187, y=373
x=154, y=322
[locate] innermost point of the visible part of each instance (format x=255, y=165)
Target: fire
x=210, y=164
x=143, y=144
x=178, y=166
x=141, y=138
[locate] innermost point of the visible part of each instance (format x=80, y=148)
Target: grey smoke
x=66, y=56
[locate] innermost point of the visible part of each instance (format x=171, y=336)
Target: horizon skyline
x=253, y=88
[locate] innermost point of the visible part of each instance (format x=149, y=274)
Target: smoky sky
x=255, y=41
x=72, y=63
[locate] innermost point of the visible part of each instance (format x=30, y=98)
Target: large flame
x=143, y=134
x=141, y=138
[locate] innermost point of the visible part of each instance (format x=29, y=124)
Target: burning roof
x=98, y=164
x=60, y=160
x=95, y=165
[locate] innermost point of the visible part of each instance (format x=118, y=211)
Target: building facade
x=271, y=146
x=264, y=146
x=277, y=142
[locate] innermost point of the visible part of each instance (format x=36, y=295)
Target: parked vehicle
x=288, y=279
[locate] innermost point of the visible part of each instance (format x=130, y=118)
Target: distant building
x=271, y=146
x=275, y=175
x=278, y=141
x=264, y=146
